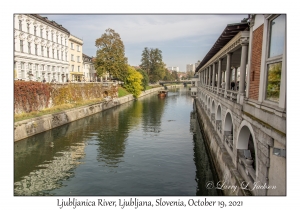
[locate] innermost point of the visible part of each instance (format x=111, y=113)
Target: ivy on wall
x=31, y=96
x=35, y=96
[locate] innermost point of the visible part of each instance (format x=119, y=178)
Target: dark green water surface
x=146, y=147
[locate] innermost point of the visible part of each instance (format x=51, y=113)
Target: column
x=209, y=76
x=228, y=71
x=219, y=75
x=243, y=68
x=205, y=82
x=235, y=76
x=214, y=74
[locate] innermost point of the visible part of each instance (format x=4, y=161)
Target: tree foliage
x=111, y=55
x=145, y=80
x=133, y=82
x=152, y=63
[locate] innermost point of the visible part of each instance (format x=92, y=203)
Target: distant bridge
x=185, y=82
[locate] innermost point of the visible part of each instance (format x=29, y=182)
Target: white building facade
x=190, y=67
x=89, y=71
x=173, y=68
x=40, y=49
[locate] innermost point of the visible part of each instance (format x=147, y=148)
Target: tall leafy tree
x=152, y=63
x=146, y=65
x=111, y=55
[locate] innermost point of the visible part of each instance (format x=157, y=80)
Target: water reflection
x=142, y=147
x=205, y=172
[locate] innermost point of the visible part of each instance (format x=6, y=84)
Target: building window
x=62, y=55
x=22, y=65
x=46, y=34
x=41, y=32
x=42, y=50
x=36, y=49
x=29, y=48
x=66, y=57
x=57, y=55
x=61, y=42
x=72, y=46
x=53, y=68
x=48, y=67
x=52, y=37
x=72, y=57
x=42, y=67
x=276, y=44
x=65, y=42
x=48, y=52
x=20, y=25
x=29, y=66
x=78, y=58
x=52, y=53
x=21, y=46
x=78, y=48
x=34, y=30
x=56, y=38
x=72, y=67
x=78, y=68
x=28, y=28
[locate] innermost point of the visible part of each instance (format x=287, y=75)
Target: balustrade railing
x=213, y=117
x=231, y=95
x=229, y=141
x=219, y=126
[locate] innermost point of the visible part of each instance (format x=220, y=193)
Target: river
x=151, y=146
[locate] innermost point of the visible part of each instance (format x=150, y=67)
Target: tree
x=133, y=82
x=145, y=80
x=168, y=76
x=175, y=75
x=190, y=74
x=111, y=55
x=152, y=63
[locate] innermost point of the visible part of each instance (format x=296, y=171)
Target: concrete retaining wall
x=30, y=127
x=227, y=173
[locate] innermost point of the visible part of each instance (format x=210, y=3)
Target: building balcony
x=231, y=95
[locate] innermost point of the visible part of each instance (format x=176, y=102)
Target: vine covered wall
x=36, y=96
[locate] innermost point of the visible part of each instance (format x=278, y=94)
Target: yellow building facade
x=75, y=59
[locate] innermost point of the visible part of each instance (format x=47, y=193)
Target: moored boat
x=162, y=93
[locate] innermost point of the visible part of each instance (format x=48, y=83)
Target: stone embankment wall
x=30, y=127
x=36, y=96
x=230, y=179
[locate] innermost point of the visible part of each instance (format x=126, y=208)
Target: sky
x=183, y=39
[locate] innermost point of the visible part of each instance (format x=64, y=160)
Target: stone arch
x=213, y=107
x=247, y=141
x=219, y=113
x=228, y=121
x=228, y=130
